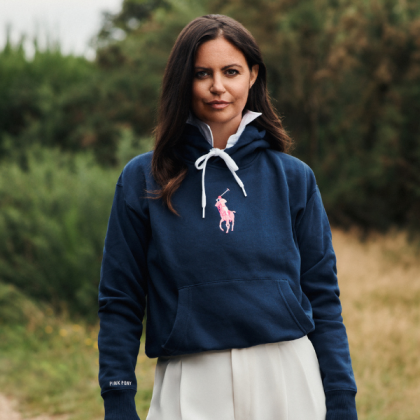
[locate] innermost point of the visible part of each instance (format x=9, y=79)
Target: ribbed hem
x=341, y=405
x=120, y=405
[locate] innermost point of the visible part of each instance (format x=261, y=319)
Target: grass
x=50, y=365
x=380, y=286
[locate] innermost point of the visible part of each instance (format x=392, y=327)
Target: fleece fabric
x=258, y=267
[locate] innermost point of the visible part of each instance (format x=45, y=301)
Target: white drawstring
x=201, y=163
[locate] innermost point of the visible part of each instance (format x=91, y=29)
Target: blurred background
x=78, y=93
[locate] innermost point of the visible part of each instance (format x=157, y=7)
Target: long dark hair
x=176, y=97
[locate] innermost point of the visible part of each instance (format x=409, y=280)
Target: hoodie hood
x=194, y=148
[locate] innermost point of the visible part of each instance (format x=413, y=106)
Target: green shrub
x=16, y=308
x=53, y=219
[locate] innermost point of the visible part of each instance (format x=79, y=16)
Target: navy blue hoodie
x=258, y=267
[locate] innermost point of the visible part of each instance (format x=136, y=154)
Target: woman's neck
x=222, y=131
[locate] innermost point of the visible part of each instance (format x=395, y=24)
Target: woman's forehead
x=218, y=52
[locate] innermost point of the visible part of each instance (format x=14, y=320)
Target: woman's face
x=222, y=80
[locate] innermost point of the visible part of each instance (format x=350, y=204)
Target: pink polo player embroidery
x=225, y=214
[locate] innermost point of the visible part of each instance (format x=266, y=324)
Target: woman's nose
x=217, y=86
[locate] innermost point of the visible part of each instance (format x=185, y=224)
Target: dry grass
x=380, y=293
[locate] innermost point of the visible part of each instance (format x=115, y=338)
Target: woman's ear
x=253, y=75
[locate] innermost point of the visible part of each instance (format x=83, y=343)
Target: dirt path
x=9, y=411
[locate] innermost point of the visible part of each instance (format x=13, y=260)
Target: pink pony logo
x=226, y=215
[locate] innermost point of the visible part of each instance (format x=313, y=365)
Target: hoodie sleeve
x=122, y=301
x=319, y=283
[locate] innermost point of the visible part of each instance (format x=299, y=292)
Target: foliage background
x=343, y=74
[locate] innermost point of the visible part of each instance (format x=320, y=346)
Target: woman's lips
x=219, y=105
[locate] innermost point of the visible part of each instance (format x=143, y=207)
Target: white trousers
x=274, y=381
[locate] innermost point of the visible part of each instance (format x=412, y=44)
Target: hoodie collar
x=194, y=148
x=205, y=129
x=193, y=145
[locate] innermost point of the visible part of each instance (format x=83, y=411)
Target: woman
x=243, y=309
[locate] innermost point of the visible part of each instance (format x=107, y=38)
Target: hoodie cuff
x=120, y=405
x=341, y=405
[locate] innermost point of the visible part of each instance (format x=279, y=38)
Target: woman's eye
x=201, y=74
x=232, y=72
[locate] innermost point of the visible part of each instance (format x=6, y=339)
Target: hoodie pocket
x=235, y=314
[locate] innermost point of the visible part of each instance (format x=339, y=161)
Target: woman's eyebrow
x=223, y=68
